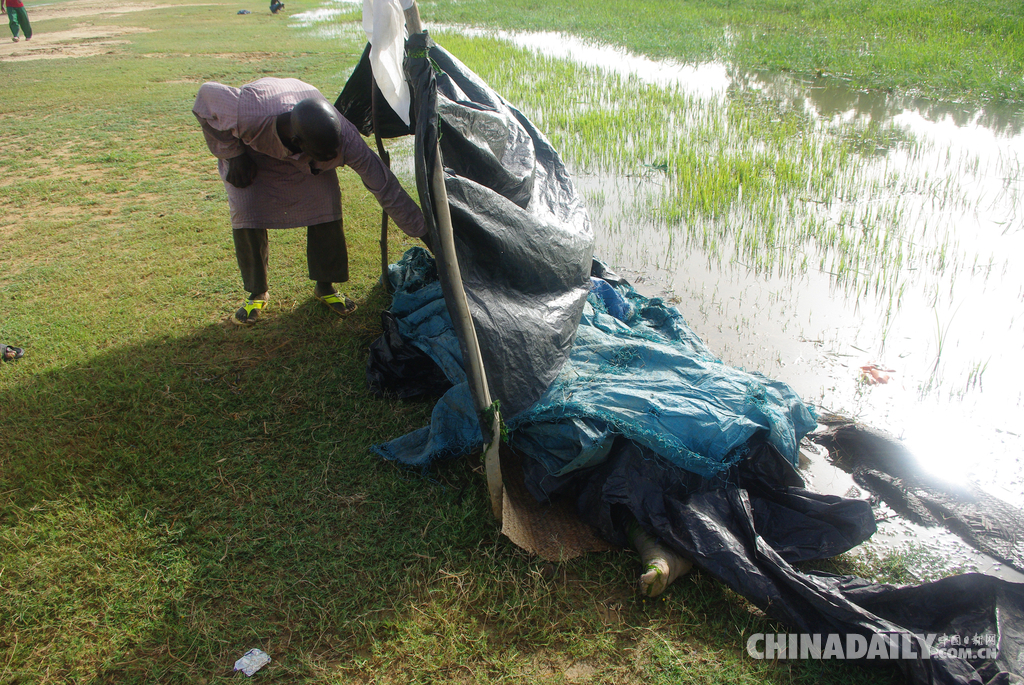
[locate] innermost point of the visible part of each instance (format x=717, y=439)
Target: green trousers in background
x=19, y=21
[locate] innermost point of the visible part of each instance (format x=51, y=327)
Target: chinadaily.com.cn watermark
x=880, y=646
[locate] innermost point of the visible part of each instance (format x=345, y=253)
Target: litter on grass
x=252, y=661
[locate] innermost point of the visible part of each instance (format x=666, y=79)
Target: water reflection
x=324, y=17
x=829, y=98
x=317, y=16
x=708, y=80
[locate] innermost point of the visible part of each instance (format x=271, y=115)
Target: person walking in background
x=19, y=18
x=276, y=6
x=278, y=142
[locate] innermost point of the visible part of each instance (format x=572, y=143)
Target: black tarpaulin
x=749, y=534
x=522, y=235
x=885, y=467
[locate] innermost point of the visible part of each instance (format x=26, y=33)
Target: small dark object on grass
x=244, y=12
x=9, y=353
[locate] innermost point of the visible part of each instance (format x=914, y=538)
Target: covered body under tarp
x=618, y=407
x=650, y=380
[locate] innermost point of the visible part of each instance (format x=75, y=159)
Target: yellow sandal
x=339, y=304
x=249, y=313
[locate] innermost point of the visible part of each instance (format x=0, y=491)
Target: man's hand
x=241, y=171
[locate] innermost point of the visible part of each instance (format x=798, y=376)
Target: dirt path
x=81, y=41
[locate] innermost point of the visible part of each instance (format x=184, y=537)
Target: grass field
x=962, y=51
x=175, y=491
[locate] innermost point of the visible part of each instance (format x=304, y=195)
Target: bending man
x=278, y=142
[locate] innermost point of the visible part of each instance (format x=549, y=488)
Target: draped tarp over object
x=522, y=235
x=617, y=405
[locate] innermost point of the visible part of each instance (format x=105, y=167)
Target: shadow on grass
x=168, y=506
x=219, y=485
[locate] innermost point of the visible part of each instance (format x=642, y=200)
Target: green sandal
x=249, y=313
x=9, y=353
x=339, y=304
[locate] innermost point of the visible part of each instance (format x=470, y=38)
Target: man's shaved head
x=316, y=129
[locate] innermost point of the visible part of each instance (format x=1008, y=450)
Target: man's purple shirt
x=285, y=192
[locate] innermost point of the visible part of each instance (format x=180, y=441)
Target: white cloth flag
x=384, y=23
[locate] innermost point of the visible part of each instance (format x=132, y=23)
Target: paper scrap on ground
x=252, y=661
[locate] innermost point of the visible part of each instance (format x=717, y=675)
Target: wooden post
x=475, y=372
x=412, y=19
x=386, y=158
x=490, y=422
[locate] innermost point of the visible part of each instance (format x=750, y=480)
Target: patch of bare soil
x=85, y=8
x=82, y=41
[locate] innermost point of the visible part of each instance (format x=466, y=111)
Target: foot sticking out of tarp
x=661, y=566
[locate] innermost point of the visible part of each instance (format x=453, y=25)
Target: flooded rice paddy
x=806, y=231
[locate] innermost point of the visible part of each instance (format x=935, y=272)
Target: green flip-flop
x=249, y=313
x=339, y=304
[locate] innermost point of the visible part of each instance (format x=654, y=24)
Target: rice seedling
x=727, y=170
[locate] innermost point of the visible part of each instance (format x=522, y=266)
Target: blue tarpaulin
x=648, y=378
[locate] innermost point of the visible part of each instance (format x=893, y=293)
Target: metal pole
x=413, y=25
